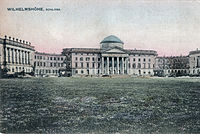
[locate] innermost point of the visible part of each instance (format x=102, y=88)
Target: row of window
x=87, y=64
x=133, y=65
x=46, y=71
x=19, y=69
x=49, y=58
x=99, y=54
x=85, y=53
x=86, y=59
x=93, y=59
x=140, y=66
x=51, y=64
x=144, y=60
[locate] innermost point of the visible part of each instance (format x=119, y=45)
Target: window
x=82, y=71
x=92, y=58
x=76, y=71
x=133, y=65
x=93, y=65
x=61, y=58
x=87, y=65
x=44, y=64
x=58, y=58
x=51, y=58
x=54, y=64
x=76, y=58
x=144, y=59
x=144, y=65
x=149, y=60
x=149, y=65
x=54, y=58
x=133, y=59
x=139, y=65
x=87, y=59
x=81, y=65
x=76, y=64
x=81, y=58
x=61, y=64
x=139, y=59
x=35, y=57
x=51, y=64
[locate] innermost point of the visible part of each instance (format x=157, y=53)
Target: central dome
x=110, y=42
x=111, y=39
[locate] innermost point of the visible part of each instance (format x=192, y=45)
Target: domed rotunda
x=110, y=42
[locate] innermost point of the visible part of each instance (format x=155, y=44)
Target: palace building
x=15, y=56
x=172, y=66
x=110, y=59
x=46, y=64
x=194, y=61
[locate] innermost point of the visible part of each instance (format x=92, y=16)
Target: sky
x=170, y=27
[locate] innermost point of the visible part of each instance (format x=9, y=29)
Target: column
x=117, y=65
x=16, y=54
x=8, y=55
x=22, y=57
x=25, y=57
x=19, y=58
x=125, y=59
x=29, y=58
x=122, y=65
x=107, y=65
x=102, y=65
x=113, y=70
x=128, y=71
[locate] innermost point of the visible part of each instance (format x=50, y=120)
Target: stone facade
x=110, y=59
x=46, y=64
x=194, y=61
x=16, y=56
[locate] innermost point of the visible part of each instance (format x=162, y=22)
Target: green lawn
x=100, y=105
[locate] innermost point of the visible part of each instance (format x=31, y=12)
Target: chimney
x=20, y=41
x=9, y=38
x=5, y=37
x=23, y=41
x=17, y=40
x=13, y=39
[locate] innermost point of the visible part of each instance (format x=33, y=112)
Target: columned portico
x=114, y=65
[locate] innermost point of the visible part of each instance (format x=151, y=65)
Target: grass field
x=100, y=105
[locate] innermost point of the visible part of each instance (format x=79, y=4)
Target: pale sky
x=170, y=27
